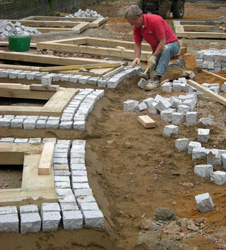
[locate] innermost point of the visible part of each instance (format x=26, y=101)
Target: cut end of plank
x=147, y=121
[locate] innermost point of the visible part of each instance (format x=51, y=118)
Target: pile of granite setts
x=86, y=14
x=213, y=60
x=8, y=28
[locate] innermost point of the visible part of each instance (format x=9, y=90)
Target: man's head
x=134, y=16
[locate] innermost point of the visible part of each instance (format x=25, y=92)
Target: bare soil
x=133, y=170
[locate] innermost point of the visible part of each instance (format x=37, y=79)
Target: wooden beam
x=39, y=87
x=23, y=91
x=35, y=188
x=47, y=59
x=217, y=76
x=21, y=67
x=146, y=121
x=113, y=72
x=208, y=92
x=74, y=67
x=45, y=164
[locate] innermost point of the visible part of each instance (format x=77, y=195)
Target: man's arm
x=158, y=50
x=137, y=50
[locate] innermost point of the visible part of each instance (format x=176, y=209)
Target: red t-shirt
x=155, y=28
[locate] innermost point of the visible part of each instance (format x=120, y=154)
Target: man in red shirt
x=164, y=43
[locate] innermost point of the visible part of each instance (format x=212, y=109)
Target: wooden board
x=54, y=107
x=97, y=46
x=208, y=92
x=93, y=22
x=50, y=26
x=182, y=31
x=146, y=121
x=39, y=87
x=52, y=60
x=45, y=164
x=35, y=188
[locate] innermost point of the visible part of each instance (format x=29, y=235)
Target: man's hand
x=152, y=62
x=135, y=62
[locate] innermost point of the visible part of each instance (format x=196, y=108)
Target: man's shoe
x=153, y=83
x=182, y=63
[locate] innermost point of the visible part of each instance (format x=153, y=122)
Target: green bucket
x=19, y=43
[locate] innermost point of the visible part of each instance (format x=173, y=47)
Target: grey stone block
x=50, y=207
x=79, y=125
x=30, y=223
x=167, y=87
x=102, y=83
x=69, y=206
x=182, y=144
x=89, y=206
x=4, y=122
x=94, y=219
x=203, y=135
x=50, y=221
x=169, y=130
x=66, y=198
x=203, y=170
x=166, y=115
x=62, y=184
x=64, y=191
x=223, y=159
x=130, y=105
x=191, y=117
x=9, y=223
x=163, y=104
x=83, y=192
x=66, y=125
x=214, y=157
x=52, y=123
x=72, y=220
x=177, y=118
x=29, y=124
x=199, y=153
x=28, y=209
x=218, y=177
x=204, y=202
x=82, y=199
x=142, y=83
x=84, y=79
x=80, y=185
x=79, y=179
x=8, y=210
x=183, y=109
x=16, y=123
x=192, y=145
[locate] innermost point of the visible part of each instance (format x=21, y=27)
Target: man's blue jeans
x=162, y=62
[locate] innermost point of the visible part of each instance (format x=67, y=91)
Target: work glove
x=135, y=62
x=152, y=62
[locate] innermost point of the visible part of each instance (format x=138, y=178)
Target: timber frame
x=98, y=46
x=196, y=29
x=35, y=188
x=57, y=100
x=93, y=22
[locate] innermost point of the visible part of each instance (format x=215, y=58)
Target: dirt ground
x=133, y=170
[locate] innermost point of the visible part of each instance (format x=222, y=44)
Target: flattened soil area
x=133, y=170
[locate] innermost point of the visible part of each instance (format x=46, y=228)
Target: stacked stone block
x=213, y=60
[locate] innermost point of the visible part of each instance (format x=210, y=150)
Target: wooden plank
x=93, y=22
x=21, y=67
x=217, y=76
x=146, y=121
x=51, y=30
x=31, y=178
x=47, y=59
x=22, y=196
x=24, y=92
x=202, y=28
x=208, y=92
x=34, y=188
x=11, y=158
x=81, y=27
x=58, y=102
x=104, y=47
x=45, y=164
x=39, y=87
x=45, y=23
x=113, y=72
x=54, y=107
x=73, y=67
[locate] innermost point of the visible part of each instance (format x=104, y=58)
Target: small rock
x=164, y=214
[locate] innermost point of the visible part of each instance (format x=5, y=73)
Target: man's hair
x=133, y=11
